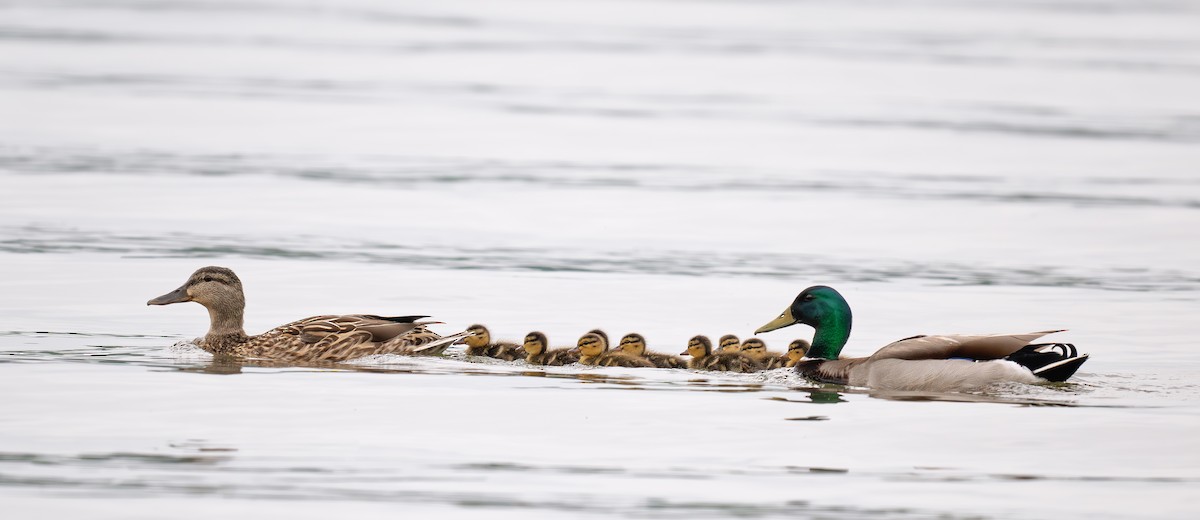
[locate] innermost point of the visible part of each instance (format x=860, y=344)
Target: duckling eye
x=208, y=278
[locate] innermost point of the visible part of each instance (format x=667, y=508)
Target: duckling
x=788, y=359
x=480, y=344
x=729, y=343
x=326, y=338
x=703, y=358
x=634, y=345
x=757, y=350
x=796, y=351
x=593, y=350
x=536, y=352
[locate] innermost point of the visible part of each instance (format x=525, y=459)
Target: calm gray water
x=669, y=167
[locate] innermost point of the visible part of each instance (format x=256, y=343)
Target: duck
x=757, y=350
x=537, y=353
x=479, y=343
x=634, y=344
x=593, y=350
x=945, y=363
x=326, y=338
x=795, y=352
x=703, y=358
x=729, y=343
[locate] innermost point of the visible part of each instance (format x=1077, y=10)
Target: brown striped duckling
x=480, y=344
x=703, y=358
x=537, y=351
x=757, y=350
x=635, y=345
x=729, y=343
x=593, y=350
x=326, y=338
x=772, y=360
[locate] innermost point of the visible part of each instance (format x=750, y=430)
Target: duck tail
x=1050, y=361
x=437, y=346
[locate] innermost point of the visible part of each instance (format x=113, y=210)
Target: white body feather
x=938, y=375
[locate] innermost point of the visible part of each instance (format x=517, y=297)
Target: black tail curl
x=1049, y=361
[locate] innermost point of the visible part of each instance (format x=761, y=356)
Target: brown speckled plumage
x=329, y=338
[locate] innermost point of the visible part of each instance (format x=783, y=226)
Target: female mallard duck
x=635, y=345
x=479, y=343
x=703, y=358
x=729, y=343
x=593, y=350
x=538, y=353
x=318, y=338
x=931, y=363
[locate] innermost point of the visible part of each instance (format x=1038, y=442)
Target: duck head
x=219, y=291
x=632, y=344
x=826, y=311
x=698, y=347
x=729, y=343
x=603, y=335
x=535, y=343
x=797, y=349
x=754, y=347
x=480, y=336
x=591, y=345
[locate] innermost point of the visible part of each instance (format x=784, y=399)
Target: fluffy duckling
x=757, y=350
x=538, y=353
x=326, y=338
x=635, y=345
x=797, y=349
x=729, y=343
x=703, y=358
x=480, y=344
x=593, y=350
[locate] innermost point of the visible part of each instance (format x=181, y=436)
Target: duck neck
x=831, y=335
x=225, y=321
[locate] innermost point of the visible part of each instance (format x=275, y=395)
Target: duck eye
x=809, y=297
x=208, y=278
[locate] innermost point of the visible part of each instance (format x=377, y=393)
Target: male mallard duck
x=729, y=343
x=933, y=363
x=318, y=338
x=703, y=358
x=635, y=345
x=479, y=343
x=537, y=352
x=593, y=350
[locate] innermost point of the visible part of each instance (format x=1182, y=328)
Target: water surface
x=668, y=167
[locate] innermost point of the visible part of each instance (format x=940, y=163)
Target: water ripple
x=42, y=240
